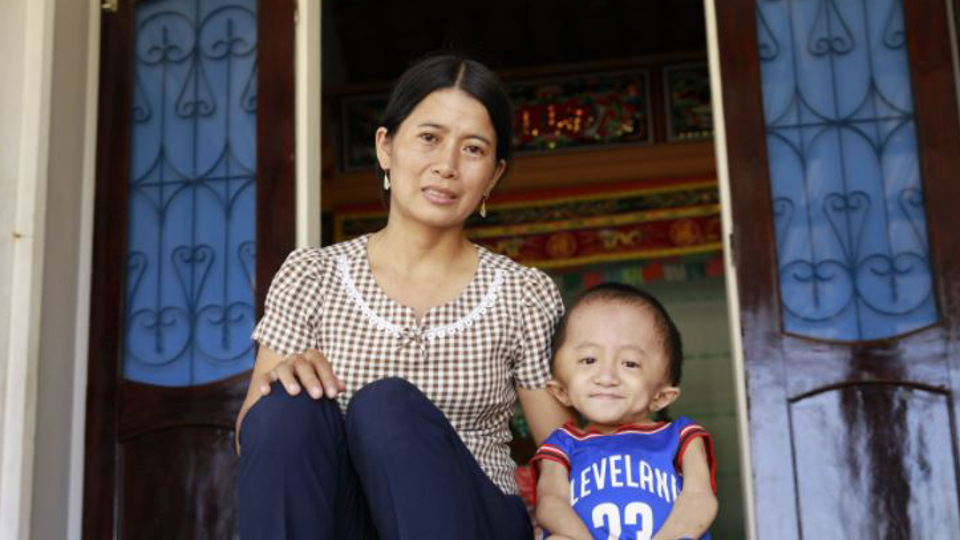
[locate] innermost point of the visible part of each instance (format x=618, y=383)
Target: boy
x=616, y=360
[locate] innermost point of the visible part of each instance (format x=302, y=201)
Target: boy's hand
x=696, y=506
x=554, y=512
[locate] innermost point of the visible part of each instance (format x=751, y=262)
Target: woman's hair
x=438, y=72
x=625, y=294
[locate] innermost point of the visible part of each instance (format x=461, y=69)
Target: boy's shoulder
x=678, y=425
x=661, y=436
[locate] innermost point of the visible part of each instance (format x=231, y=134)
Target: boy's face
x=612, y=366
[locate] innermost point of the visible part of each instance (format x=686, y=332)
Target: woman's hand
x=308, y=370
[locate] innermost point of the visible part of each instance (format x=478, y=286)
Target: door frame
x=308, y=196
x=308, y=193
x=307, y=223
x=308, y=71
x=730, y=270
x=84, y=277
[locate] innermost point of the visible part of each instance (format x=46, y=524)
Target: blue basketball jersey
x=623, y=484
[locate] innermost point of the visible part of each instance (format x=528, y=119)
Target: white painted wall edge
x=308, y=103
x=730, y=271
x=20, y=393
x=88, y=181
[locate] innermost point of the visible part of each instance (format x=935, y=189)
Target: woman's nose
x=446, y=164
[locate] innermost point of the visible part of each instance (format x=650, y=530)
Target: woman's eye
x=475, y=150
x=588, y=360
x=428, y=137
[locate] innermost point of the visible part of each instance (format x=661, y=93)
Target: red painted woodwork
x=159, y=462
x=848, y=440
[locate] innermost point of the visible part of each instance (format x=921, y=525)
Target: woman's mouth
x=438, y=195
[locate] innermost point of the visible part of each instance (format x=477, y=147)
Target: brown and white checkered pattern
x=467, y=356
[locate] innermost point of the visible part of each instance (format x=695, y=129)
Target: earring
x=386, y=182
x=483, y=208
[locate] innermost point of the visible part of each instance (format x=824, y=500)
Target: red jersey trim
x=687, y=436
x=547, y=452
x=579, y=434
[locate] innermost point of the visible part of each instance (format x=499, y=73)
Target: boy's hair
x=627, y=294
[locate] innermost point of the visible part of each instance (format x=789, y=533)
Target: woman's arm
x=554, y=512
x=310, y=370
x=543, y=412
x=696, y=506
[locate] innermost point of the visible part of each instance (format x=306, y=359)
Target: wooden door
x=851, y=329
x=159, y=459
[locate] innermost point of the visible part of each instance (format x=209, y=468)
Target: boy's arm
x=554, y=512
x=696, y=506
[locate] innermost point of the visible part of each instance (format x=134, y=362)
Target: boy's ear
x=664, y=397
x=559, y=391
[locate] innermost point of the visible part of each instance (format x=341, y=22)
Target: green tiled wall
x=707, y=388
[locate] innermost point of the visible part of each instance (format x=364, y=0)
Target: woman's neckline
x=455, y=300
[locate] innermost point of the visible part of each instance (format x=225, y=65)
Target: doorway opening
x=615, y=177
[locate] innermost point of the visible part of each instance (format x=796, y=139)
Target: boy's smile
x=612, y=366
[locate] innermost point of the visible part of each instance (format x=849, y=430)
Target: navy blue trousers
x=393, y=469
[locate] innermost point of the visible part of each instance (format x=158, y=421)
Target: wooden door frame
x=275, y=206
x=717, y=92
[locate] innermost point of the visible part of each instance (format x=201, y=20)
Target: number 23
x=635, y=513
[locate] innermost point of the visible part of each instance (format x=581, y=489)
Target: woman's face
x=441, y=160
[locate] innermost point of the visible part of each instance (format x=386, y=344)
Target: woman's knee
x=282, y=421
x=384, y=408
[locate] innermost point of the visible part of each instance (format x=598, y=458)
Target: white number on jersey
x=636, y=513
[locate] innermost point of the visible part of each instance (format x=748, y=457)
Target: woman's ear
x=497, y=173
x=384, y=150
x=559, y=391
x=664, y=397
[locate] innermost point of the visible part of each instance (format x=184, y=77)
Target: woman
x=412, y=344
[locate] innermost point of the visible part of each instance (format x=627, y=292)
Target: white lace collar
x=436, y=332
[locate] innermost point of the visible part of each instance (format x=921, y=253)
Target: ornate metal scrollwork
x=190, y=266
x=851, y=232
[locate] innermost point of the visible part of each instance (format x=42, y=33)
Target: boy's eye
x=588, y=360
x=630, y=364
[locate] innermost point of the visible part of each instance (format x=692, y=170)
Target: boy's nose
x=607, y=375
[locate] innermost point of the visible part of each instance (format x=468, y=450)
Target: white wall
x=12, y=15
x=46, y=141
x=64, y=308
x=708, y=393
x=24, y=168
